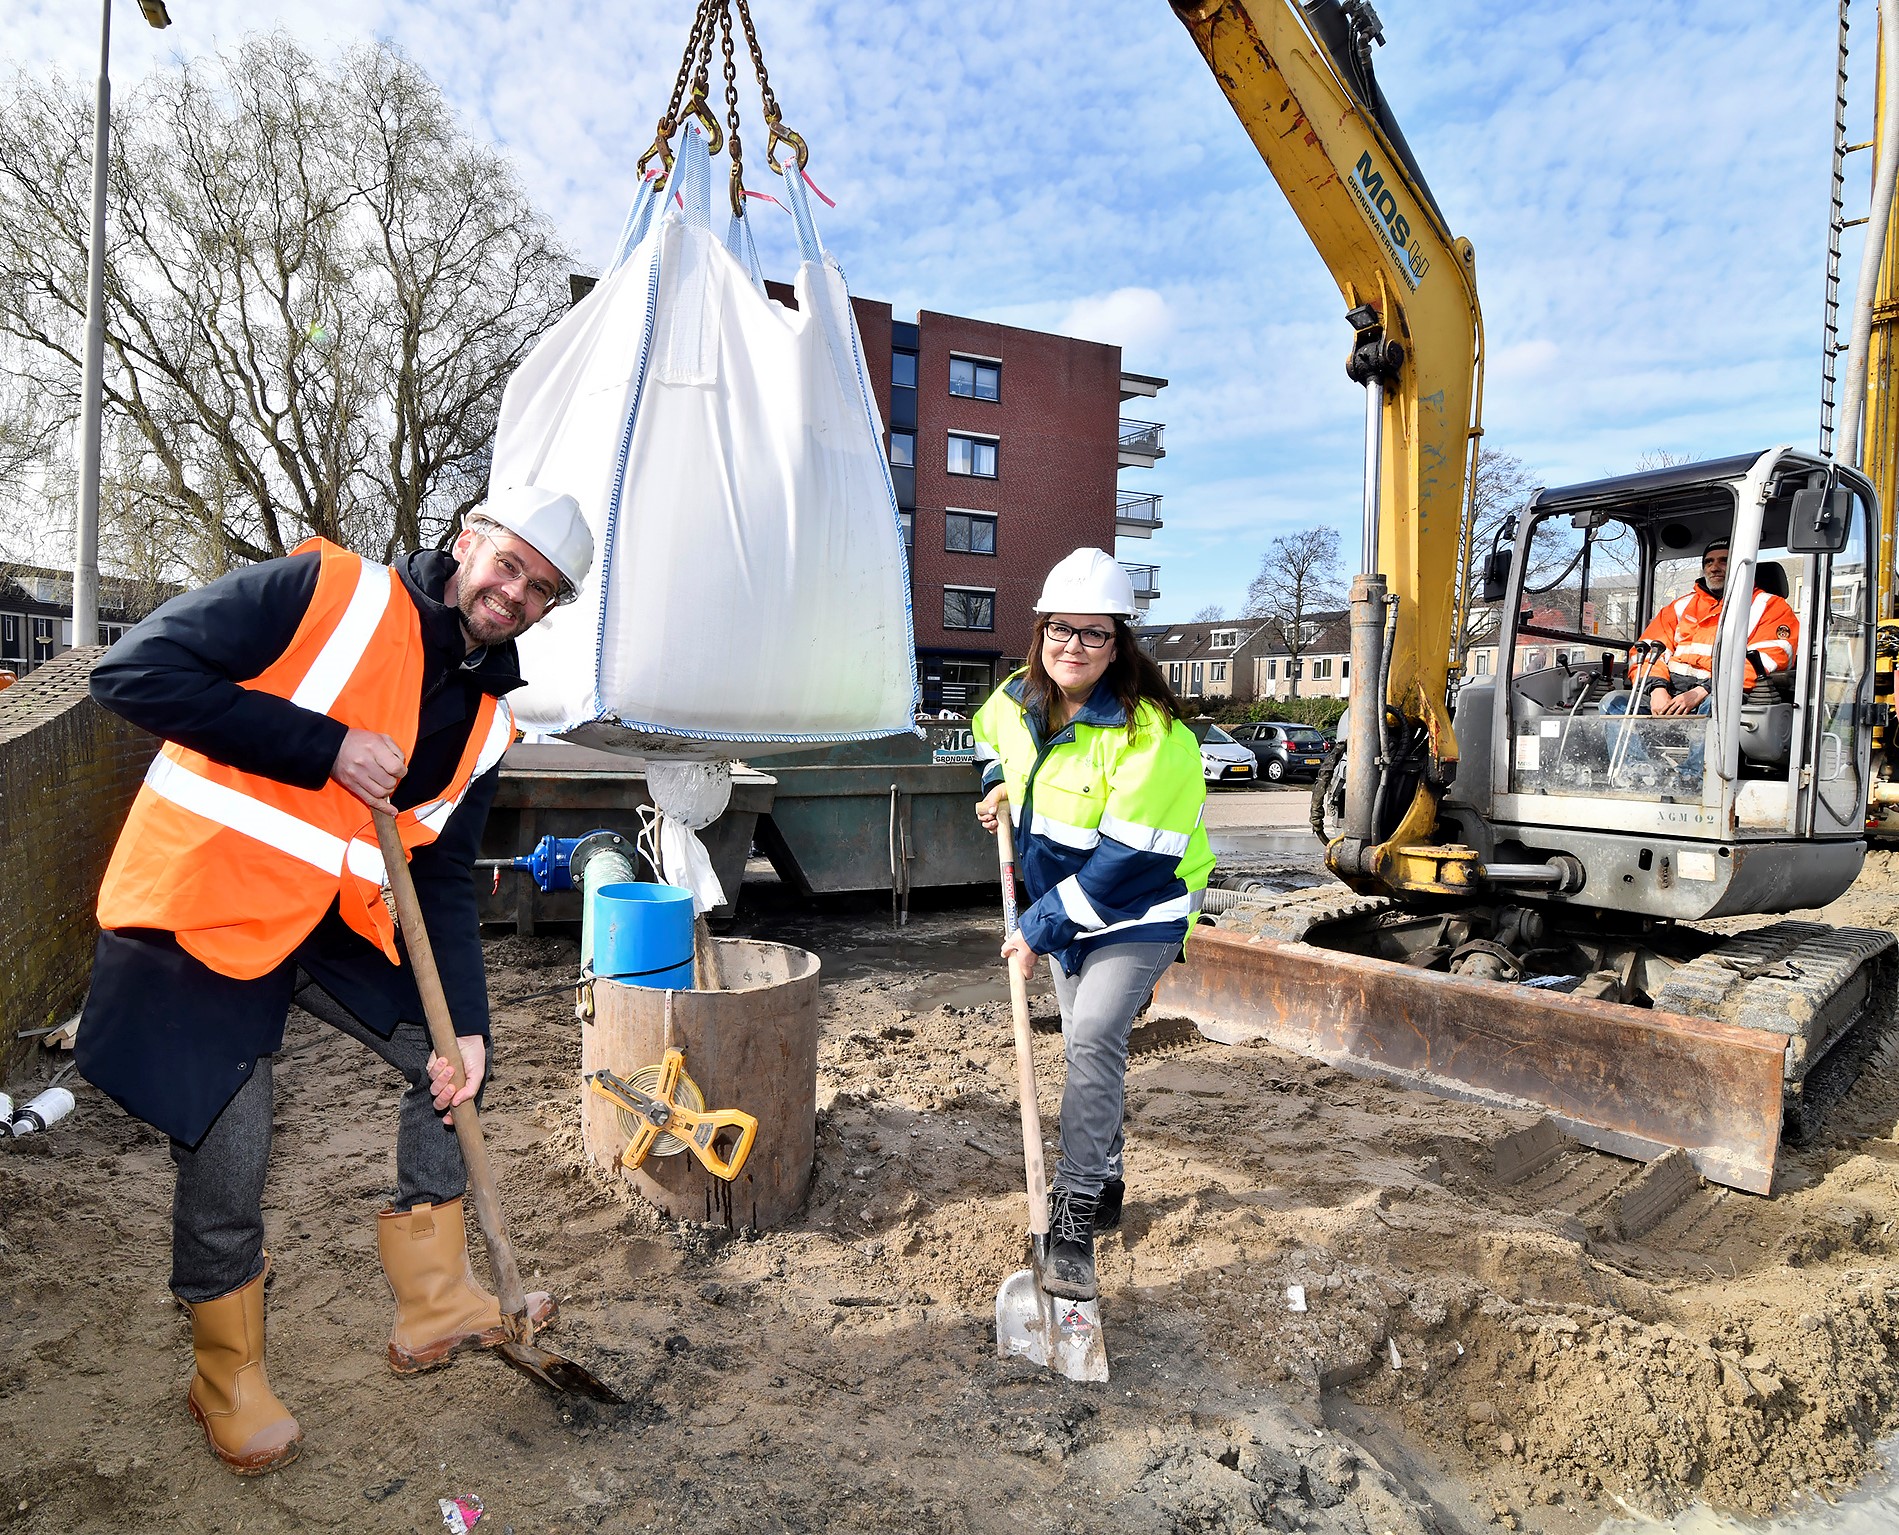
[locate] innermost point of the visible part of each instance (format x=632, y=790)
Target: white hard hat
x=1087, y=581
x=548, y=520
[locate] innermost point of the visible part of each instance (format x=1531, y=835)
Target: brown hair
x=1131, y=676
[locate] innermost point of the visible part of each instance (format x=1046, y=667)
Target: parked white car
x=1223, y=759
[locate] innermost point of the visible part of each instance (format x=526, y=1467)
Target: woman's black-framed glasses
x=1061, y=634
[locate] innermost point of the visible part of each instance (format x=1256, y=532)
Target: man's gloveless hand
x=370, y=765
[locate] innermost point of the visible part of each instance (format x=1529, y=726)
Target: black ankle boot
x=1108, y=1211
x=1071, y=1245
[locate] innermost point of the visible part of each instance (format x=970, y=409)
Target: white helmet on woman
x=1088, y=581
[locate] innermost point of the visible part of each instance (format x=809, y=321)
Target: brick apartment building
x=1005, y=450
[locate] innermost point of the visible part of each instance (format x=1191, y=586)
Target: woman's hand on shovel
x=442, y=1076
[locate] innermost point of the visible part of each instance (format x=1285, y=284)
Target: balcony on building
x=1146, y=579
x=1141, y=386
x=1141, y=445
x=1136, y=515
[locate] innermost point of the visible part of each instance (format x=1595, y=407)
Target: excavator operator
x=1685, y=631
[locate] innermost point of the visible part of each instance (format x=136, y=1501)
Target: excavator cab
x=1752, y=803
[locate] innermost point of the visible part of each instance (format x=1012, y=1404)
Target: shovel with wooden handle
x=1045, y=1329
x=518, y=1348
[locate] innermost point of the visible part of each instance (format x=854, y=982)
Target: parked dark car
x=1284, y=751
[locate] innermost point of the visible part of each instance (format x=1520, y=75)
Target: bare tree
x=1660, y=458
x=1212, y=613
x=1501, y=487
x=316, y=288
x=1298, y=579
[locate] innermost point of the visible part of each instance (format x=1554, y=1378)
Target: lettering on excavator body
x=1380, y=205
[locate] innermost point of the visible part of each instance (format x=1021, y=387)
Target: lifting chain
x=780, y=134
x=731, y=114
x=669, y=119
x=695, y=66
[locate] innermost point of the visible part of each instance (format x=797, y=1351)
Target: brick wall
x=68, y=771
x=1057, y=422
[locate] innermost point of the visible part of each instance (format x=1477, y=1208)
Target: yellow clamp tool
x=659, y=1113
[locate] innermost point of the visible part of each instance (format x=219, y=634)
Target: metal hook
x=780, y=134
x=715, y=131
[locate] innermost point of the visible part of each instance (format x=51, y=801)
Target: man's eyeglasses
x=1060, y=634
x=539, y=592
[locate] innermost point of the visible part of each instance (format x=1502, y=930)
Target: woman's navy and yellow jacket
x=1107, y=823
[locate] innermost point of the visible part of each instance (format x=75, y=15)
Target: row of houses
x=1246, y=659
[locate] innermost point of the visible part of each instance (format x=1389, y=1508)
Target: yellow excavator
x=1522, y=858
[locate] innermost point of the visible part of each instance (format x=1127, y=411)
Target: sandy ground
x=1472, y=1356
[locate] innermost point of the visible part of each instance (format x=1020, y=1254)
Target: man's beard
x=482, y=624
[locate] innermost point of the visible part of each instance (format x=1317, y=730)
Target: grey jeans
x=217, y=1212
x=1098, y=1008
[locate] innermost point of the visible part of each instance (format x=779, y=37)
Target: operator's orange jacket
x=242, y=867
x=1686, y=629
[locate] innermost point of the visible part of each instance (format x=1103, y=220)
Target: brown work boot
x=439, y=1307
x=249, y=1429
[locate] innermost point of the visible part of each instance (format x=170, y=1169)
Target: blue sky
x=1646, y=188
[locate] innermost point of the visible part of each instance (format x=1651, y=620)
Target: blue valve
x=551, y=864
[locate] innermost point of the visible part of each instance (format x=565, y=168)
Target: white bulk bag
x=750, y=590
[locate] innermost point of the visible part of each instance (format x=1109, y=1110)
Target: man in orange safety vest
x=293, y=698
x=1685, y=629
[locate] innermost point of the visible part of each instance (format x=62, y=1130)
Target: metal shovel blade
x=1061, y=1335
x=556, y=1372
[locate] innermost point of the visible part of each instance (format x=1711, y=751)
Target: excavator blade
x=1625, y=1080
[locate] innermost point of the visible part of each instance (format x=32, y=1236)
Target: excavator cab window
x=1589, y=695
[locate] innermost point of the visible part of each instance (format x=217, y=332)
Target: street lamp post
x=92, y=388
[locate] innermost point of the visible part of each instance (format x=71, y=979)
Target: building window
x=1345, y=668
x=1219, y=670
x=908, y=521
x=968, y=607
x=903, y=449
x=966, y=682
x=1322, y=669
x=972, y=455
x=903, y=369
x=969, y=533
x=1224, y=639
x=974, y=379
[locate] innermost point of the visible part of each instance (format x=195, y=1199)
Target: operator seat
x=1767, y=711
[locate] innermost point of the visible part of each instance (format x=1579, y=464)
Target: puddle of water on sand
x=1871, y=1510
x=959, y=994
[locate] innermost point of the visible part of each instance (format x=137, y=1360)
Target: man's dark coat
x=167, y=1037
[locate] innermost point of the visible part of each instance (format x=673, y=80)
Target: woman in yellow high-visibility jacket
x=1103, y=783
